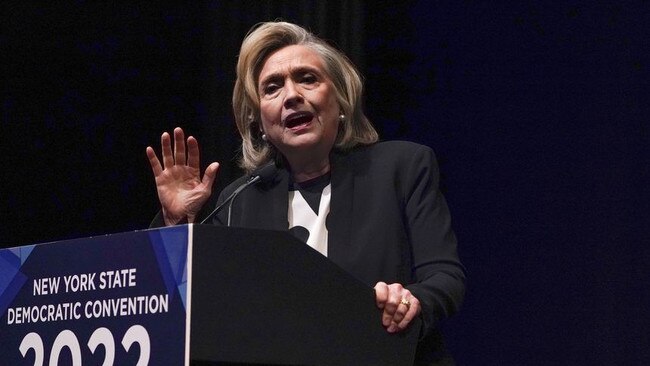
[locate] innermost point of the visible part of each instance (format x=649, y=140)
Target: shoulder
x=231, y=187
x=234, y=184
x=400, y=147
x=387, y=161
x=278, y=176
x=392, y=151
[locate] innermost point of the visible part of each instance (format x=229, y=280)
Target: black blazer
x=388, y=222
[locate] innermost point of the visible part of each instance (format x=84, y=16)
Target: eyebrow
x=293, y=71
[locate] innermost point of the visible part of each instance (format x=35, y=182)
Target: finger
x=168, y=158
x=394, y=297
x=193, y=159
x=179, y=146
x=392, y=304
x=209, y=175
x=412, y=312
x=389, y=313
x=153, y=161
x=400, y=313
x=381, y=294
x=403, y=308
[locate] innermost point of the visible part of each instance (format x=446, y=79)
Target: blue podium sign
x=109, y=300
x=256, y=297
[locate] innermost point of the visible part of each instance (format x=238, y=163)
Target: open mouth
x=297, y=119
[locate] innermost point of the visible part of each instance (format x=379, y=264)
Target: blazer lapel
x=339, y=221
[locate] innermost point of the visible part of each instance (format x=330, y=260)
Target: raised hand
x=181, y=190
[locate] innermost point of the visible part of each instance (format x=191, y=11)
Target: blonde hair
x=261, y=41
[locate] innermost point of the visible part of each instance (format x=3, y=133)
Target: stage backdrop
x=538, y=113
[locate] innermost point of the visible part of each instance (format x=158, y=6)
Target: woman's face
x=298, y=105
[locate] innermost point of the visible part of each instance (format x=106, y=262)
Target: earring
x=341, y=117
x=264, y=137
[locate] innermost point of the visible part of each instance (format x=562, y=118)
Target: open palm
x=181, y=191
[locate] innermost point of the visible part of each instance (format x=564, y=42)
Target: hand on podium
x=181, y=191
x=398, y=304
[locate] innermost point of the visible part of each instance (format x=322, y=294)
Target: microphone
x=263, y=174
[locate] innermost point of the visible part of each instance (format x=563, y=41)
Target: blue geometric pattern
x=170, y=247
x=23, y=252
x=11, y=280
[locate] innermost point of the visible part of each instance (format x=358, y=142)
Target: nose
x=292, y=95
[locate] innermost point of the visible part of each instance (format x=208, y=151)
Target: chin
x=306, y=139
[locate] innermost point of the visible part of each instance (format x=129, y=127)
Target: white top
x=302, y=216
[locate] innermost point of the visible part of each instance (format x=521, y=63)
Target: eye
x=308, y=78
x=270, y=88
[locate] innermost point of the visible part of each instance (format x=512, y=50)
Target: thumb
x=210, y=175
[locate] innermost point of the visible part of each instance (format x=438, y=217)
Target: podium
x=189, y=295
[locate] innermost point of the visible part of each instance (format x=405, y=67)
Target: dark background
x=537, y=111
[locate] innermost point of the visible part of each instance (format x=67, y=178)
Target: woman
x=373, y=208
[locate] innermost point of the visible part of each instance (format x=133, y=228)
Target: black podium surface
x=264, y=297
